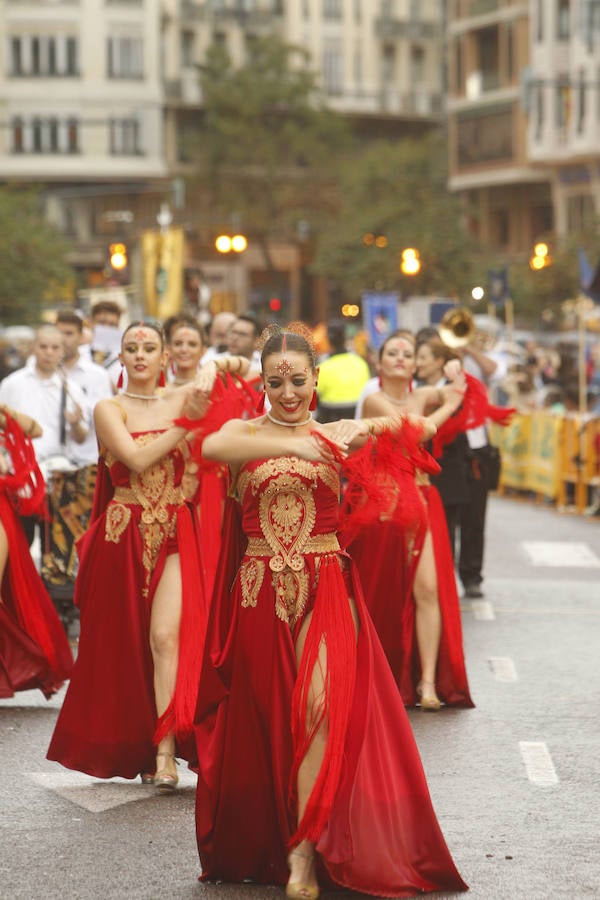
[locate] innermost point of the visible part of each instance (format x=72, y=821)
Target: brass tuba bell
x=457, y=327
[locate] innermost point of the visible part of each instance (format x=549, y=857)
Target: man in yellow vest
x=342, y=377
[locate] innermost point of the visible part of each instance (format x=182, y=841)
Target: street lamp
x=225, y=243
x=410, y=262
x=541, y=257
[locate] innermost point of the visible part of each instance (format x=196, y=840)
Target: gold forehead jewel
x=284, y=367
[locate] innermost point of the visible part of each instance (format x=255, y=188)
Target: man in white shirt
x=53, y=400
x=58, y=404
x=94, y=381
x=242, y=338
x=218, y=335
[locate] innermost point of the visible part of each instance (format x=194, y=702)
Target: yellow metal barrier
x=552, y=457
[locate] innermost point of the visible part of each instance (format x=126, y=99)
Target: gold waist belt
x=172, y=497
x=316, y=543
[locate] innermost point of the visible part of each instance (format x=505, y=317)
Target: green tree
x=34, y=272
x=397, y=190
x=268, y=145
x=538, y=295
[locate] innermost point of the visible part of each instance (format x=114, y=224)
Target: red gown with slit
x=386, y=550
x=108, y=722
x=370, y=813
x=34, y=649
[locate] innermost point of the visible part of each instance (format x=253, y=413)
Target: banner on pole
x=380, y=316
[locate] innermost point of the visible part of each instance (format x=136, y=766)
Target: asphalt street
x=514, y=781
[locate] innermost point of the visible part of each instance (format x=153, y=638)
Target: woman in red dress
x=308, y=770
x=205, y=485
x=404, y=559
x=129, y=707
x=34, y=650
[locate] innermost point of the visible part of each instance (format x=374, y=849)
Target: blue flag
x=589, y=277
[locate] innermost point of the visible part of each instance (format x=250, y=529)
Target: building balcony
x=387, y=101
x=244, y=14
x=481, y=7
x=394, y=28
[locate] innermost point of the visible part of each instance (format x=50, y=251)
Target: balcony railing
x=481, y=7
x=394, y=28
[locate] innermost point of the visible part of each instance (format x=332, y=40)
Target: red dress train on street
x=369, y=813
x=108, y=722
x=34, y=649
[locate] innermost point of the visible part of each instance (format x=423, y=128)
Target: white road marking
x=503, y=668
x=562, y=554
x=483, y=610
x=538, y=762
x=97, y=795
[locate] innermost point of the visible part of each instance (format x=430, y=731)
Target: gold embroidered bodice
x=290, y=511
x=151, y=498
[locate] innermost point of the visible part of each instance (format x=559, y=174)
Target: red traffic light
x=274, y=304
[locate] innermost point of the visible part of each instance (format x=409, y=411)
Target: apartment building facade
x=97, y=97
x=508, y=200
x=562, y=96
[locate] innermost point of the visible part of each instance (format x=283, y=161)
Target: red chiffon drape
x=370, y=812
x=34, y=649
x=108, y=720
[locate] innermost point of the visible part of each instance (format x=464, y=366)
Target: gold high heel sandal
x=430, y=702
x=302, y=890
x=166, y=778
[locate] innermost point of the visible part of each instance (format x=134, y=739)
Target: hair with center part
x=142, y=324
x=287, y=340
x=401, y=334
x=184, y=321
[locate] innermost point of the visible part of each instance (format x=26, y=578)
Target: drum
x=70, y=494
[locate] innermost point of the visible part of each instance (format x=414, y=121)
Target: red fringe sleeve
x=381, y=480
x=231, y=398
x=475, y=410
x=25, y=485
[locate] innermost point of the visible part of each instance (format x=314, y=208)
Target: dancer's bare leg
x=301, y=862
x=428, y=618
x=164, y=644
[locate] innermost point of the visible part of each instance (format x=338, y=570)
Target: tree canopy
x=268, y=147
x=396, y=191
x=34, y=272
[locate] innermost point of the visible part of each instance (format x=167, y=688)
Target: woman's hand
x=206, y=377
x=314, y=450
x=344, y=432
x=196, y=402
x=453, y=369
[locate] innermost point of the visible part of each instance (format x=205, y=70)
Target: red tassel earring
x=313, y=400
x=161, y=378
x=410, y=386
x=120, y=380
x=260, y=403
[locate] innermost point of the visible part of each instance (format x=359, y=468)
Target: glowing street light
x=225, y=243
x=410, y=262
x=477, y=293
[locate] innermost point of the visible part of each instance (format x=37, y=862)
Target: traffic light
x=410, y=262
x=274, y=304
x=541, y=257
